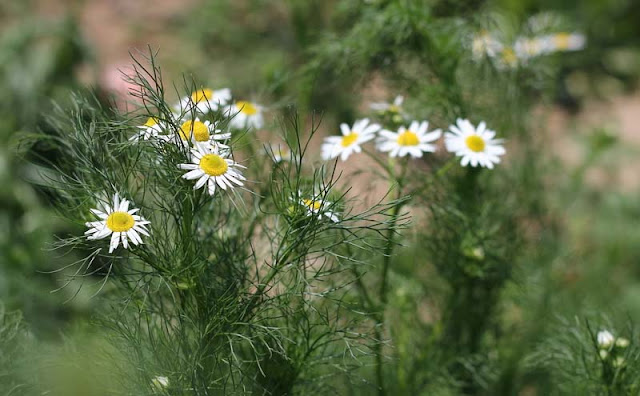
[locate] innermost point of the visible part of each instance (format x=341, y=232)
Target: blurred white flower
x=528, y=47
x=485, y=44
x=563, y=41
x=622, y=342
x=476, y=146
x=160, y=383
x=210, y=167
x=118, y=221
x=395, y=107
x=507, y=58
x=280, y=153
x=204, y=100
x=245, y=115
x=618, y=362
x=350, y=141
x=605, y=339
x=412, y=141
x=603, y=354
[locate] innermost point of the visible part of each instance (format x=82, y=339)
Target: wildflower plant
x=229, y=274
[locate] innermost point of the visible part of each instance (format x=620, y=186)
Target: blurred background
x=588, y=124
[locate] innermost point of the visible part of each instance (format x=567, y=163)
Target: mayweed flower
x=563, y=42
x=196, y=131
x=280, y=153
x=485, y=44
x=476, y=146
x=507, y=58
x=605, y=339
x=160, y=383
x=211, y=167
x=350, y=141
x=245, y=115
x=622, y=342
x=151, y=129
x=205, y=100
x=526, y=48
x=413, y=140
x=119, y=222
x=383, y=107
x=318, y=206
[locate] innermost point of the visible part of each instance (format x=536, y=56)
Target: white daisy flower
x=622, y=342
x=476, y=146
x=413, y=140
x=317, y=206
x=507, y=58
x=526, y=48
x=485, y=44
x=210, y=166
x=605, y=339
x=563, y=42
x=196, y=131
x=395, y=107
x=160, y=383
x=119, y=222
x=245, y=115
x=280, y=153
x=350, y=141
x=205, y=100
x=151, y=129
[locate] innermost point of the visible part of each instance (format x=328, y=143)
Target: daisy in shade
x=211, y=167
x=119, y=222
x=526, y=48
x=318, y=206
x=476, y=146
x=279, y=153
x=383, y=107
x=485, y=44
x=196, y=131
x=151, y=129
x=350, y=141
x=205, y=100
x=245, y=115
x=413, y=140
x=564, y=41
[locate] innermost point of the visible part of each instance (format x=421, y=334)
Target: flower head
x=118, y=221
x=316, y=205
x=605, y=339
x=476, y=146
x=198, y=132
x=211, y=167
x=149, y=130
x=383, y=107
x=160, y=383
x=245, y=115
x=350, y=141
x=526, y=47
x=485, y=44
x=205, y=100
x=280, y=153
x=563, y=41
x=412, y=141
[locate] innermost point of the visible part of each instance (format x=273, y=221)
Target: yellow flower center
x=349, y=139
x=197, y=129
x=312, y=204
x=201, y=95
x=120, y=221
x=246, y=108
x=150, y=122
x=509, y=56
x=213, y=165
x=475, y=143
x=561, y=40
x=408, y=138
x=394, y=108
